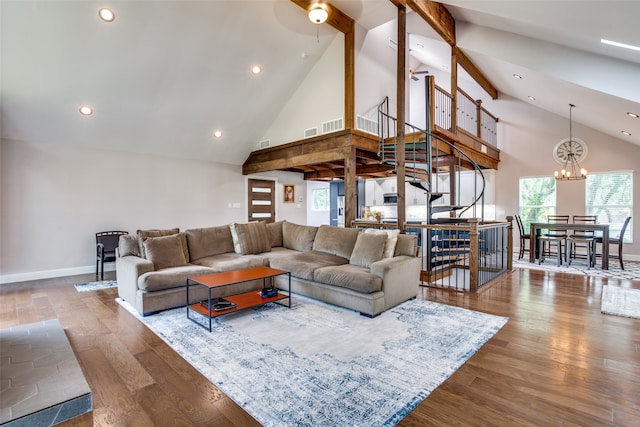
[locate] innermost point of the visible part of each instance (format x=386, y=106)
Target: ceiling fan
x=412, y=74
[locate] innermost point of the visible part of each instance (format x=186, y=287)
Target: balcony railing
x=471, y=116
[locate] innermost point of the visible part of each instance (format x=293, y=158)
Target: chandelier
x=568, y=151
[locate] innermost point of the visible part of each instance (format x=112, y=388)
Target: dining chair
x=106, y=244
x=553, y=235
x=617, y=241
x=524, y=238
x=582, y=238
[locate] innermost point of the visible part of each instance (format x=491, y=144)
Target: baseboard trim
x=50, y=274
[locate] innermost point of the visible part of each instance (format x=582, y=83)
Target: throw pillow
x=253, y=237
x=298, y=237
x=392, y=240
x=275, y=233
x=368, y=249
x=145, y=234
x=165, y=251
x=128, y=245
x=407, y=245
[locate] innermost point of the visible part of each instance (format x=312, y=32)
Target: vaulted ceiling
x=165, y=75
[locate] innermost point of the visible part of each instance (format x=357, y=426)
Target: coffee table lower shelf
x=242, y=301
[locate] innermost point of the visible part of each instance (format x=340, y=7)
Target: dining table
x=536, y=227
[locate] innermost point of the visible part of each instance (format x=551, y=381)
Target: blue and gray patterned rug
x=321, y=365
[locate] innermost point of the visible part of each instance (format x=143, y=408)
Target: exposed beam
x=401, y=114
x=475, y=73
x=437, y=16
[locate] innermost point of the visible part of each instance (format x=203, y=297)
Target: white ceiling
x=165, y=74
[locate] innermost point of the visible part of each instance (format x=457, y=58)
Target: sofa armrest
x=400, y=278
x=128, y=269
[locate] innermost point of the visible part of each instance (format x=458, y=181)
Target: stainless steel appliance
x=390, y=199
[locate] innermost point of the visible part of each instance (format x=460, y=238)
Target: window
x=537, y=199
x=320, y=201
x=609, y=196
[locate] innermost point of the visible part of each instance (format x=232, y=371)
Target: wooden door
x=261, y=199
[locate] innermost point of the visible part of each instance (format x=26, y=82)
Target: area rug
x=620, y=301
x=631, y=269
x=96, y=286
x=320, y=365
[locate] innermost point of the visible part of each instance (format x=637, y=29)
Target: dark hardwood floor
x=558, y=361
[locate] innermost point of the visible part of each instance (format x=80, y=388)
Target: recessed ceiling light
x=531, y=98
x=421, y=46
x=217, y=133
x=618, y=44
x=85, y=110
x=517, y=76
x=624, y=132
x=106, y=15
x=634, y=115
x=256, y=69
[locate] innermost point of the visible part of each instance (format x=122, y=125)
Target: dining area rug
x=620, y=301
x=631, y=269
x=315, y=364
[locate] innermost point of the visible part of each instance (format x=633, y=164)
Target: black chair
x=617, y=241
x=106, y=244
x=524, y=238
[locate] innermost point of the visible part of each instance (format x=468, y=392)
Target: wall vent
x=308, y=133
x=393, y=44
x=332, y=125
x=367, y=125
x=264, y=144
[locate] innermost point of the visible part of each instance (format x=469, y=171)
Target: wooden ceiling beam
x=475, y=73
x=437, y=16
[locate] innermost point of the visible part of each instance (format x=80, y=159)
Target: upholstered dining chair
x=524, y=238
x=582, y=238
x=554, y=235
x=617, y=241
x=106, y=244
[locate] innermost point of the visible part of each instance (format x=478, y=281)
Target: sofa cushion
x=253, y=237
x=128, y=245
x=204, y=242
x=275, y=233
x=232, y=261
x=303, y=264
x=353, y=277
x=335, y=240
x=392, y=240
x=170, y=277
x=298, y=237
x=165, y=251
x=368, y=249
x=407, y=245
x=145, y=234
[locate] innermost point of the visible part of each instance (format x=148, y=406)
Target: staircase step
x=446, y=208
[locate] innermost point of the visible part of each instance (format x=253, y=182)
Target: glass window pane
x=537, y=199
x=609, y=196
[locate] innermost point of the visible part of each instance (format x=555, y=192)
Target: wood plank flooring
x=557, y=362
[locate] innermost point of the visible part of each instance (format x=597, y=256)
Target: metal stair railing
x=427, y=161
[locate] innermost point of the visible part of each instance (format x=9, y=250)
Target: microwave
x=390, y=199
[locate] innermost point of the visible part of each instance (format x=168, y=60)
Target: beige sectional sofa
x=368, y=271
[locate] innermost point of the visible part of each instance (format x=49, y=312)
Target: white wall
x=318, y=99
x=55, y=198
